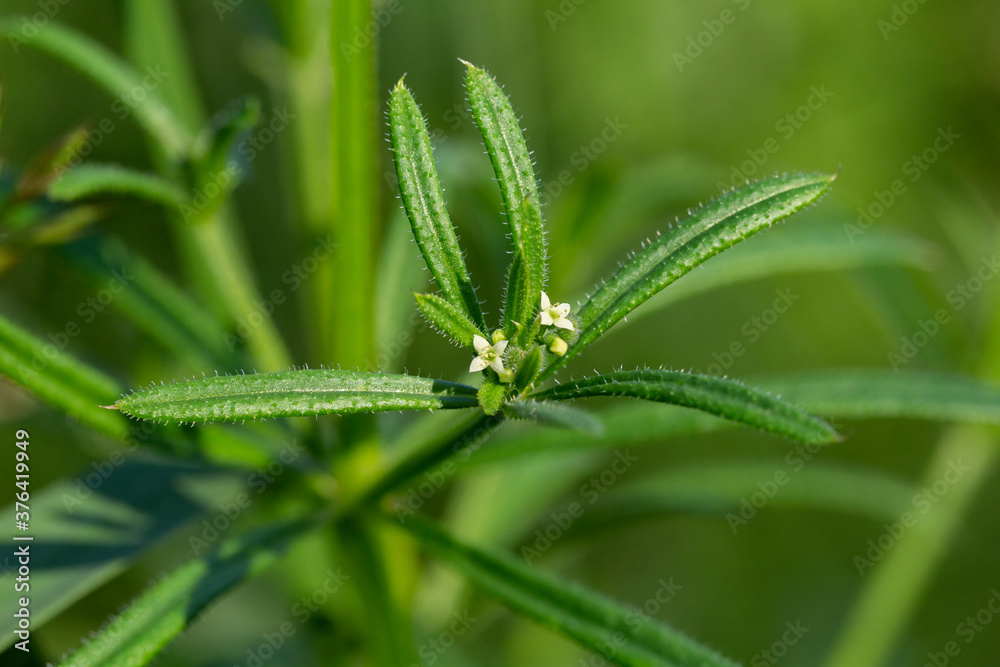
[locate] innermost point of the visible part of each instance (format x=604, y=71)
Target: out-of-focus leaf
x=88, y=528
x=550, y=413
x=164, y=611
x=401, y=273
x=111, y=73
x=588, y=618
x=716, y=396
x=869, y=394
x=721, y=489
x=59, y=379
x=97, y=180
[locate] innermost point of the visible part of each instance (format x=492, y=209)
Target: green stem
x=213, y=249
x=346, y=305
x=467, y=434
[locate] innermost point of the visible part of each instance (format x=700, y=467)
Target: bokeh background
x=691, y=114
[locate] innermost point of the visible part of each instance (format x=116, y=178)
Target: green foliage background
x=569, y=77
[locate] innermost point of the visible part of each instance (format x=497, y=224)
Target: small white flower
x=554, y=314
x=489, y=355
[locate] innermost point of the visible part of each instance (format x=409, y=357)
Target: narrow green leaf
x=550, y=413
x=295, y=393
x=492, y=394
x=527, y=371
x=114, y=75
x=709, y=231
x=424, y=204
x=588, y=618
x=860, y=394
x=59, y=379
x=506, y=147
x=448, y=319
x=163, y=612
x=95, y=180
x=526, y=278
x=724, y=398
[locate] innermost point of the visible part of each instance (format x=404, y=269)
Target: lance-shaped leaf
x=295, y=393
x=624, y=636
x=526, y=279
x=95, y=180
x=723, y=398
x=551, y=413
x=506, y=147
x=448, y=319
x=424, y=204
x=709, y=231
x=59, y=379
x=163, y=612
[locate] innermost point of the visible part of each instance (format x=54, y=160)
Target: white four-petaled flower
x=554, y=314
x=489, y=355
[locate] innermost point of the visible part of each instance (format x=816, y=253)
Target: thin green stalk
x=458, y=441
x=213, y=249
x=347, y=309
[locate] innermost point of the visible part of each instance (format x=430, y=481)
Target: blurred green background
x=572, y=69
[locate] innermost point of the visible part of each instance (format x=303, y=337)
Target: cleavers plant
x=345, y=490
